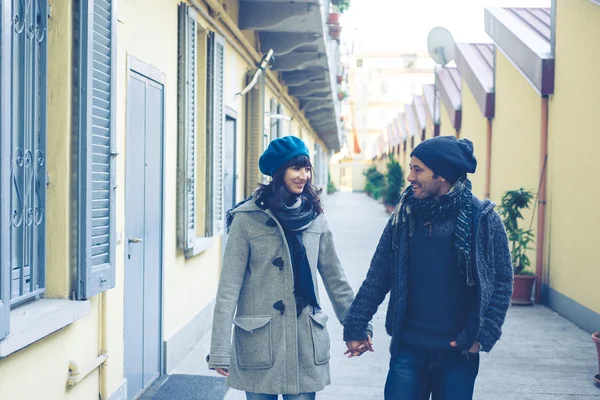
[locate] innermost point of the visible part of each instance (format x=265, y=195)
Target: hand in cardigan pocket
x=475, y=348
x=357, y=347
x=223, y=371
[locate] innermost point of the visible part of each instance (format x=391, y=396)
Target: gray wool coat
x=272, y=350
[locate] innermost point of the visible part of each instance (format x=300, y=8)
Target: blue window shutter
x=5, y=112
x=214, y=133
x=187, y=102
x=94, y=110
x=28, y=57
x=255, y=119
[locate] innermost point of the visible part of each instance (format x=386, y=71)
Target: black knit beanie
x=447, y=156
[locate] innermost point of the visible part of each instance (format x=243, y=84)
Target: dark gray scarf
x=295, y=219
x=458, y=201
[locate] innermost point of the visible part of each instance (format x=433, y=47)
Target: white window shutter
x=187, y=97
x=215, y=134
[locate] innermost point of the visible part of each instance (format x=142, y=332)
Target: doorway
x=143, y=238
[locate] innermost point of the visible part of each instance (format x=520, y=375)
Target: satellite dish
x=440, y=45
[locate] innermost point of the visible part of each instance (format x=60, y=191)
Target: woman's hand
x=223, y=371
x=357, y=347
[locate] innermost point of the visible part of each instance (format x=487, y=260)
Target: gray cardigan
x=388, y=273
x=273, y=350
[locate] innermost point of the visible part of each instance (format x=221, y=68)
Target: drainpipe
x=488, y=167
x=103, y=348
x=78, y=372
x=541, y=222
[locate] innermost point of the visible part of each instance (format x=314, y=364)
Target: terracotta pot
x=335, y=31
x=340, y=79
x=341, y=96
x=596, y=339
x=333, y=18
x=522, y=290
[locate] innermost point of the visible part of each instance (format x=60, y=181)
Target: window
x=273, y=119
x=201, y=126
x=23, y=55
x=409, y=60
x=384, y=87
x=280, y=121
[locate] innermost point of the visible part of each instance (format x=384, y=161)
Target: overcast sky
x=404, y=24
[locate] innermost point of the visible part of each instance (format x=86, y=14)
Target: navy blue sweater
x=438, y=299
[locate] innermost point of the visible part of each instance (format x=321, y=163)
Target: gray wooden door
x=143, y=232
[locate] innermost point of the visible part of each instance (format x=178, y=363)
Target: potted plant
x=395, y=183
x=596, y=339
x=513, y=202
x=375, y=182
x=342, y=5
x=335, y=31
x=333, y=18
x=340, y=79
x=331, y=189
x=342, y=95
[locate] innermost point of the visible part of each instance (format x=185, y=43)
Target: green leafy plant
x=395, y=182
x=331, y=189
x=512, y=203
x=342, y=5
x=375, y=182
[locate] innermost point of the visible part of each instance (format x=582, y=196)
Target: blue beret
x=447, y=156
x=279, y=152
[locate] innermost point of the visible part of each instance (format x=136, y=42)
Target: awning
x=525, y=36
x=476, y=65
x=449, y=84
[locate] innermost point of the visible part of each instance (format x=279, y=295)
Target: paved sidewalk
x=541, y=355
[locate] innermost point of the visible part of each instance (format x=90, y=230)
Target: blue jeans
x=415, y=374
x=299, y=396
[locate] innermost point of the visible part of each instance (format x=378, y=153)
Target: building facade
x=127, y=130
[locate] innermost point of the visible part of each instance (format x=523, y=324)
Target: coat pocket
x=253, y=343
x=320, y=337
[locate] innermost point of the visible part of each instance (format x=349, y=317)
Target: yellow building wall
x=46, y=363
x=572, y=218
x=446, y=127
x=516, y=137
x=474, y=128
x=48, y=359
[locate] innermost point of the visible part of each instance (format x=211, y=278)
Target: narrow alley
x=541, y=355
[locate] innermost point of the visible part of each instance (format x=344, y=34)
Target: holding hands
x=356, y=348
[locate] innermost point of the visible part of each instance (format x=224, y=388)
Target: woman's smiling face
x=296, y=178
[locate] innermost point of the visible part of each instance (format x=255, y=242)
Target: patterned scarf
x=458, y=201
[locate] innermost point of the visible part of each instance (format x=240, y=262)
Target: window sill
x=36, y=320
x=202, y=244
